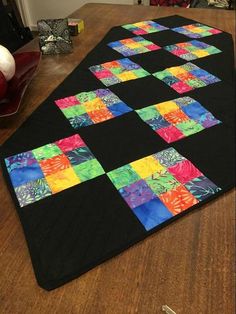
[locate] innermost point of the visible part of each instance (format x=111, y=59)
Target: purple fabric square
x=137, y=193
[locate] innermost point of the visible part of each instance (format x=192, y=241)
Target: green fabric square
x=195, y=83
x=204, y=34
x=148, y=113
x=141, y=50
x=86, y=96
x=162, y=74
x=116, y=70
x=162, y=182
x=88, y=170
x=145, y=42
x=123, y=176
x=74, y=111
x=189, y=127
x=212, y=50
x=46, y=151
x=191, y=48
x=140, y=72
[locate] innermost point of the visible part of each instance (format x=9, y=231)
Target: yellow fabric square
x=197, y=30
x=166, y=107
x=201, y=53
x=126, y=76
x=133, y=45
x=95, y=104
x=62, y=180
x=177, y=70
x=147, y=166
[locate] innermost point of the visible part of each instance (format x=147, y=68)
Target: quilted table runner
x=140, y=133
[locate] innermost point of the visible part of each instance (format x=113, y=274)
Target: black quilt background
x=78, y=228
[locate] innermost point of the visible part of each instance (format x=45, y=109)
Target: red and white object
x=7, y=63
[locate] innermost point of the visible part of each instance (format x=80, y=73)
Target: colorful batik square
x=185, y=78
x=93, y=107
x=160, y=186
x=178, y=118
x=118, y=71
x=144, y=27
x=133, y=46
x=192, y=50
x=51, y=168
x=196, y=30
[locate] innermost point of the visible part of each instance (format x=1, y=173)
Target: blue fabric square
x=20, y=176
x=80, y=121
x=170, y=80
x=158, y=123
x=119, y=109
x=199, y=44
x=199, y=73
x=128, y=64
x=209, y=79
x=79, y=155
x=152, y=213
x=194, y=110
x=115, y=44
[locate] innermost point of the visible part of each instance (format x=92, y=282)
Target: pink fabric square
x=140, y=32
x=181, y=87
x=180, y=52
x=184, y=171
x=67, y=102
x=214, y=31
x=70, y=143
x=103, y=74
x=170, y=134
x=153, y=47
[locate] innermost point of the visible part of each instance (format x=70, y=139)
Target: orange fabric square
x=178, y=199
x=62, y=180
x=54, y=164
x=176, y=116
x=100, y=115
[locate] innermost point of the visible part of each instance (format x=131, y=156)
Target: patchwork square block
x=144, y=27
x=118, y=71
x=185, y=78
x=160, y=186
x=51, y=168
x=192, y=50
x=178, y=118
x=92, y=107
x=133, y=46
x=196, y=30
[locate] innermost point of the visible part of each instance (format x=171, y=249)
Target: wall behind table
x=34, y=10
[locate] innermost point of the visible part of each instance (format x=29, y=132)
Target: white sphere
x=7, y=63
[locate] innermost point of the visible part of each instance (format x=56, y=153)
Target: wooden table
x=188, y=265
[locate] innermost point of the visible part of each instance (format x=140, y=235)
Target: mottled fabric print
x=152, y=213
x=54, y=164
x=20, y=160
x=144, y=27
x=46, y=151
x=184, y=171
x=95, y=107
x=169, y=157
x=88, y=170
x=170, y=134
x=178, y=199
x=123, y=176
x=32, y=191
x=118, y=71
x=202, y=188
x=70, y=143
x=79, y=155
x=162, y=182
x=196, y=30
x=137, y=193
x=133, y=46
x=20, y=176
x=186, y=77
x=51, y=168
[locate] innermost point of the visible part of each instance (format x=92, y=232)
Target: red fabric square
x=170, y=134
x=184, y=171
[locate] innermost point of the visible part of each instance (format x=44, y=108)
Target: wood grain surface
x=188, y=265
